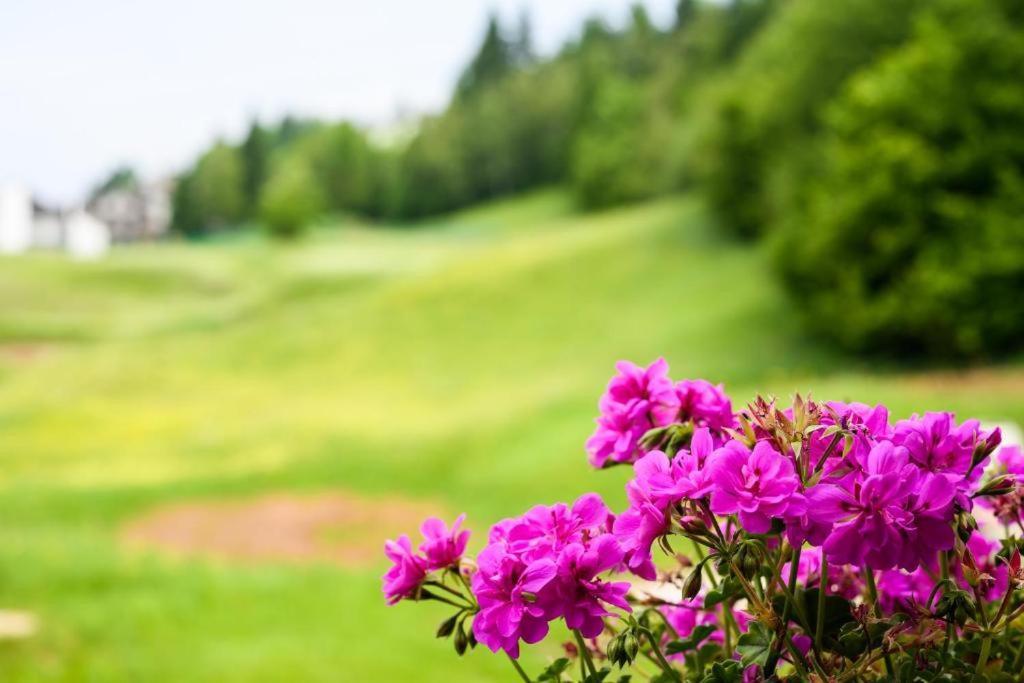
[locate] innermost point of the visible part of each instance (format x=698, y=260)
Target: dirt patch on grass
x=339, y=528
x=1003, y=380
x=23, y=353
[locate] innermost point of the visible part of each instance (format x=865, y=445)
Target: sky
x=86, y=86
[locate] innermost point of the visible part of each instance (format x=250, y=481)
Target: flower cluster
x=544, y=566
x=829, y=540
x=640, y=399
x=442, y=548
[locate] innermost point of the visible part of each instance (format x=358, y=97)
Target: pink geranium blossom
x=407, y=571
x=705, y=404
x=759, y=484
x=636, y=400
x=658, y=485
x=509, y=592
x=896, y=515
x=443, y=547
x=579, y=596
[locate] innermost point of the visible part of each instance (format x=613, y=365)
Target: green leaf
x=555, y=670
x=691, y=642
x=755, y=644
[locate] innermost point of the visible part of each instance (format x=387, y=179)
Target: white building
x=85, y=236
x=25, y=225
x=15, y=219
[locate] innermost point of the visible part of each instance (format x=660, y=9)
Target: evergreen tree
x=493, y=61
x=522, y=46
x=686, y=10
x=255, y=153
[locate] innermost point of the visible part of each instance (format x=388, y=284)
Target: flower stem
x=819, y=623
x=584, y=652
x=665, y=666
x=773, y=656
x=869, y=576
x=986, y=640
x=944, y=568
x=518, y=668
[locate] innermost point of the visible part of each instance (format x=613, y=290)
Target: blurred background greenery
x=781, y=195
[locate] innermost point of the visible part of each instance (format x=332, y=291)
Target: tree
x=291, y=199
x=909, y=239
x=686, y=10
x=255, y=153
x=121, y=178
x=493, y=61
x=210, y=196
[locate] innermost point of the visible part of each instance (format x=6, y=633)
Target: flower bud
x=615, y=652
x=461, y=640
x=693, y=525
x=970, y=569
x=630, y=646
x=692, y=585
x=998, y=486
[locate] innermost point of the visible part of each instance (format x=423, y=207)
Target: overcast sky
x=85, y=86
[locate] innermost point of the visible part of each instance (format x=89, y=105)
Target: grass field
x=456, y=365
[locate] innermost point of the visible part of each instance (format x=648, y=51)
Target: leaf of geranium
x=837, y=611
x=598, y=676
x=726, y=590
x=554, y=670
x=724, y=672
x=691, y=642
x=754, y=645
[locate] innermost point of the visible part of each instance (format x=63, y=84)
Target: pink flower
x=705, y=404
x=509, y=592
x=901, y=591
x=443, y=547
x=658, y=485
x=896, y=515
x=580, y=596
x=758, y=484
x=843, y=580
x=936, y=444
x=1012, y=459
x=636, y=400
x=407, y=572
x=545, y=530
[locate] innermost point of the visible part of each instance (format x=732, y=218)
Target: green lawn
x=457, y=362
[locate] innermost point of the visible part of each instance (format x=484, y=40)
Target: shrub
x=763, y=114
x=910, y=238
x=290, y=199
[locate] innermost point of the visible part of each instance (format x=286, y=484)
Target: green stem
x=986, y=639
x=944, y=569
x=819, y=624
x=519, y=669
x=665, y=666
x=584, y=652
x=773, y=655
x=869, y=576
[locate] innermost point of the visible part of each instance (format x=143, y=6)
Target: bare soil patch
x=338, y=527
x=1003, y=380
x=23, y=353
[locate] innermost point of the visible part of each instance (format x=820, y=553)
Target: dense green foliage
x=453, y=366
x=911, y=235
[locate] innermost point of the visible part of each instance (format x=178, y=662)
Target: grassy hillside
x=457, y=365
